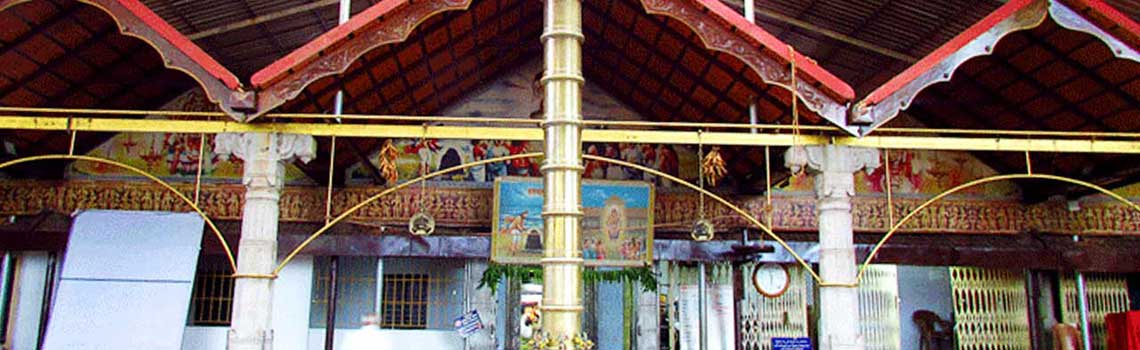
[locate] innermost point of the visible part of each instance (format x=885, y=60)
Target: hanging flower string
x=388, y=155
x=713, y=166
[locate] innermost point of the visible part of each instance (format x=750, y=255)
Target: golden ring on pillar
x=265, y=276
x=421, y=224
x=575, y=77
x=560, y=32
x=562, y=260
x=563, y=213
x=560, y=308
x=568, y=167
x=560, y=122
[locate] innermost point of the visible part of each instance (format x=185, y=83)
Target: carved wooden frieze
x=469, y=208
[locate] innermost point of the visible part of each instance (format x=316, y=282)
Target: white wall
x=204, y=338
x=291, y=292
x=399, y=339
x=28, y=299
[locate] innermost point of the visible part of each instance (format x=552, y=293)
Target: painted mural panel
x=922, y=173
x=518, y=95
x=415, y=158
x=617, y=229
x=170, y=156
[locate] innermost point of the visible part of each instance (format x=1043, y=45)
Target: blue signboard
x=791, y=343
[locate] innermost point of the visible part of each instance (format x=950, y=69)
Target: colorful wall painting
x=415, y=157
x=920, y=173
x=516, y=95
x=172, y=157
x=617, y=229
x=1128, y=191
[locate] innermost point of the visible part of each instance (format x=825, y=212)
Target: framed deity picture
x=617, y=229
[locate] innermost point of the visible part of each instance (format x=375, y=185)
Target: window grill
x=422, y=293
x=406, y=300
x=356, y=291
x=211, y=302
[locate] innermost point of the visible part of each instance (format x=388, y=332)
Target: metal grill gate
x=879, y=307
x=1107, y=293
x=762, y=319
x=990, y=307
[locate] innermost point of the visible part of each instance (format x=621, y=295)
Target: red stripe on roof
x=312, y=49
x=944, y=51
x=180, y=42
x=804, y=64
x=1097, y=11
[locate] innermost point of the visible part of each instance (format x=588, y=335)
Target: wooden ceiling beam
x=392, y=52
x=1050, y=91
x=453, y=68
x=606, y=45
x=51, y=65
x=675, y=67
x=739, y=74
x=1108, y=86
x=38, y=28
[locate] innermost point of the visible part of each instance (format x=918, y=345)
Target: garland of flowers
x=544, y=341
x=496, y=273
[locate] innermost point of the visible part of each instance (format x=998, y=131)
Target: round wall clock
x=771, y=279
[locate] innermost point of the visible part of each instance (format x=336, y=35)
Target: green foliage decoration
x=496, y=273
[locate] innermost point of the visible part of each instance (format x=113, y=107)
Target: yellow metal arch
x=894, y=229
x=164, y=184
x=717, y=198
x=405, y=184
x=388, y=191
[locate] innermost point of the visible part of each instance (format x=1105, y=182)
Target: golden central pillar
x=562, y=170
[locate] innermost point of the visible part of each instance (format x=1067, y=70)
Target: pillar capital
x=265, y=154
x=833, y=166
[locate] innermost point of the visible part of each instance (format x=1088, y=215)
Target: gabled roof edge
x=135, y=19
x=1090, y=16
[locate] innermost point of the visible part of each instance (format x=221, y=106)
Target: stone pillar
x=265, y=156
x=833, y=168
